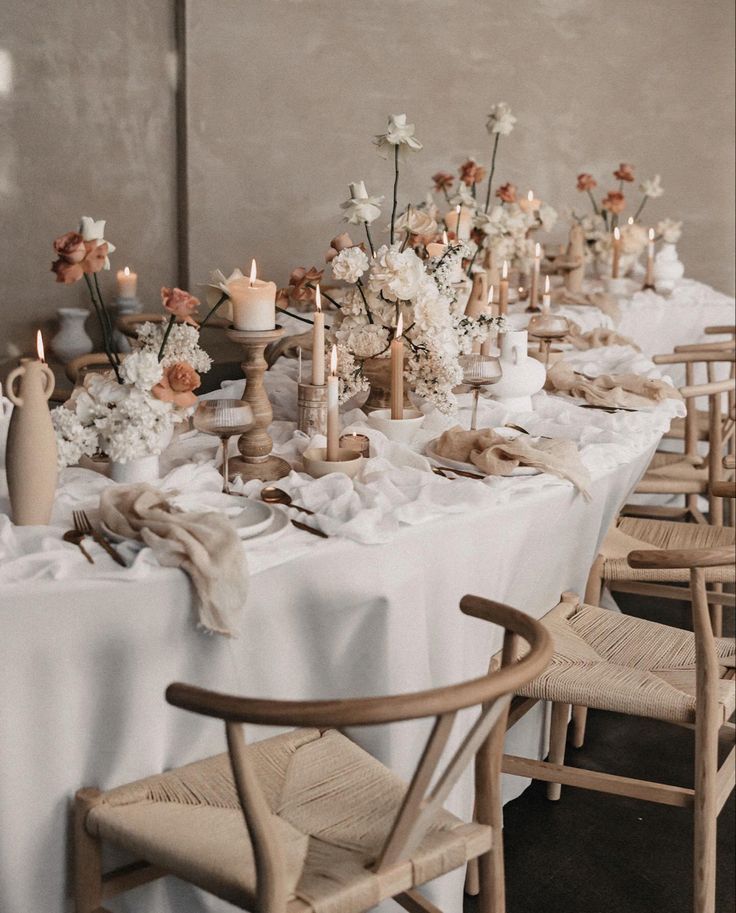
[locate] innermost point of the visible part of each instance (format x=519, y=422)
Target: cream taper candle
x=534, y=287
x=546, y=298
x=254, y=302
x=318, y=342
x=487, y=343
x=616, y=253
x=333, y=409
x=503, y=290
x=397, y=371
x=649, y=278
x=459, y=222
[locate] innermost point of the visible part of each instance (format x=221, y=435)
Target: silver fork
x=83, y=525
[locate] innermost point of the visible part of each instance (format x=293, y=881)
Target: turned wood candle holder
x=256, y=461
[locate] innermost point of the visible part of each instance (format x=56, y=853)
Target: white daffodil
x=360, y=207
x=652, y=188
x=463, y=197
x=398, y=133
x=669, y=230
x=92, y=230
x=500, y=120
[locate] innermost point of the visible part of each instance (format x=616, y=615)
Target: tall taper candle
x=333, y=409
x=485, y=348
x=397, y=371
x=534, y=288
x=503, y=290
x=616, y=253
x=318, y=342
x=546, y=298
x=649, y=278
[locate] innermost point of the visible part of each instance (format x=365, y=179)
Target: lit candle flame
x=458, y=208
x=126, y=271
x=537, y=250
x=617, y=233
x=489, y=300
x=630, y=220
x=333, y=361
x=317, y=297
x=445, y=239
x=399, y=327
x=530, y=196
x=505, y=270
x=39, y=346
x=651, y=234
x=252, y=271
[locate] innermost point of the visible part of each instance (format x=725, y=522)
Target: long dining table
x=88, y=650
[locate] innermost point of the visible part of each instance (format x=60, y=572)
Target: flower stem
x=595, y=205
x=213, y=309
x=169, y=328
x=447, y=196
x=370, y=240
x=490, y=174
x=106, y=315
x=296, y=316
x=641, y=206
x=396, y=190
x=365, y=302
x=103, y=327
x=324, y=295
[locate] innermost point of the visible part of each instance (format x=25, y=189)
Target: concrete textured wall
x=285, y=96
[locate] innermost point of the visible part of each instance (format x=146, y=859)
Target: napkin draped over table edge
x=628, y=391
x=203, y=544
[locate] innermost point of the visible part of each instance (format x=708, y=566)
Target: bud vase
x=71, y=340
x=30, y=458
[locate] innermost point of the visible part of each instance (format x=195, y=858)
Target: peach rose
x=95, y=258
x=625, y=172
x=471, y=172
x=586, y=181
x=614, y=202
x=443, y=180
x=177, y=384
x=70, y=247
x=66, y=272
x=180, y=303
x=507, y=193
x=300, y=280
x=341, y=242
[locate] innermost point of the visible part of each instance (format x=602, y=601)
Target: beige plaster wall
x=86, y=128
x=285, y=96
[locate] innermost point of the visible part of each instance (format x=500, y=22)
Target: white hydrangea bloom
x=182, y=345
x=350, y=264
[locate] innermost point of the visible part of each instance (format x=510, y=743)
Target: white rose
x=398, y=133
x=652, y=188
x=350, y=264
x=500, y=120
x=416, y=222
x=395, y=273
x=360, y=207
x=547, y=216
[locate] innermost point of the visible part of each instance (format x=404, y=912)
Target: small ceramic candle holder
x=358, y=443
x=317, y=465
x=312, y=409
x=401, y=430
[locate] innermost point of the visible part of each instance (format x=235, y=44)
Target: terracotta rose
x=507, y=193
x=625, y=172
x=471, y=172
x=77, y=257
x=180, y=303
x=177, y=384
x=586, y=181
x=300, y=279
x=443, y=180
x=615, y=201
x=70, y=247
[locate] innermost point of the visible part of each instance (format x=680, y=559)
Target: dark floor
x=594, y=853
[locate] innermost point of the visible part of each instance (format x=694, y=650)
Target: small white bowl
x=317, y=465
x=401, y=430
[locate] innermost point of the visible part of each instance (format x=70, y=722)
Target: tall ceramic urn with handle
x=30, y=457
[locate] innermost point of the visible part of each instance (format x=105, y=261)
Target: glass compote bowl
x=479, y=371
x=223, y=418
x=546, y=327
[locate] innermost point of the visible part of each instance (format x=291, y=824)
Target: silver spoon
x=272, y=495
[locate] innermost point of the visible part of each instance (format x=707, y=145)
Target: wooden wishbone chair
x=615, y=662
x=295, y=822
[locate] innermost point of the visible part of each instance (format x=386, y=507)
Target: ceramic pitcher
x=30, y=458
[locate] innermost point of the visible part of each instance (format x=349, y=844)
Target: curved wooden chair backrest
x=73, y=368
x=492, y=693
x=128, y=323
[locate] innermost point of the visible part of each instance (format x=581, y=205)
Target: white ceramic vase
x=668, y=269
x=143, y=469
x=522, y=376
x=71, y=340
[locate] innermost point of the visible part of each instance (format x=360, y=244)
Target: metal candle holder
x=256, y=461
x=312, y=409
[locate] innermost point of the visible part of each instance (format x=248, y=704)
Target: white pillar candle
x=397, y=371
x=546, y=298
x=459, y=221
x=333, y=409
x=318, y=342
x=127, y=283
x=616, y=253
x=254, y=302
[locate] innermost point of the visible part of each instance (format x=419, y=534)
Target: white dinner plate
x=471, y=467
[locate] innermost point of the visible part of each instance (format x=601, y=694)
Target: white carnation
x=395, y=274
x=500, y=120
x=141, y=369
x=350, y=264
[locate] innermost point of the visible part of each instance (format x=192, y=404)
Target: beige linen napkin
x=629, y=391
x=601, y=300
x=496, y=455
x=597, y=338
x=204, y=545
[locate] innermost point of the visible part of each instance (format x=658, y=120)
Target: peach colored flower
x=507, y=193
x=66, y=272
x=300, y=280
x=70, y=247
x=586, y=181
x=177, y=384
x=625, y=172
x=471, y=172
x=180, y=303
x=341, y=242
x=614, y=202
x=95, y=257
x=443, y=180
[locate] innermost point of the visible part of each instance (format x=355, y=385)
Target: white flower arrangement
x=182, y=345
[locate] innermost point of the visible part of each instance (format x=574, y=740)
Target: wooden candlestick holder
x=256, y=461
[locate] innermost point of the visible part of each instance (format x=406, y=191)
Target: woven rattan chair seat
x=611, y=661
x=634, y=533
x=671, y=467
x=333, y=807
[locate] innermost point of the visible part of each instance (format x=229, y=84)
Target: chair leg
x=87, y=856
x=579, y=722
x=557, y=739
x=491, y=878
x=595, y=583
x=716, y=613
x=705, y=824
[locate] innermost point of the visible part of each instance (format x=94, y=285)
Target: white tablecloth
x=87, y=652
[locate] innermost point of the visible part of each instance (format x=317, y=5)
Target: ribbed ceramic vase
x=30, y=458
